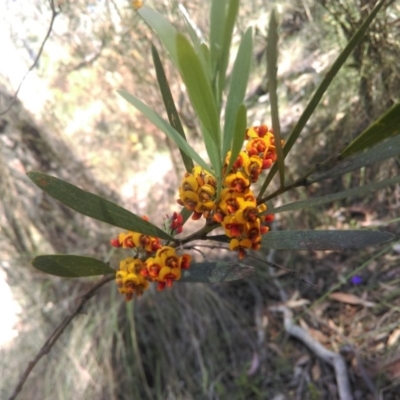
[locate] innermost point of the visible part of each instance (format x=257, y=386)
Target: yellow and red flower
x=197, y=193
x=236, y=210
x=130, y=281
x=134, y=275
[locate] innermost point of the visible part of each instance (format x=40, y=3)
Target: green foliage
x=203, y=70
x=202, y=99
x=317, y=240
x=336, y=166
x=238, y=137
x=322, y=88
x=165, y=127
x=384, y=127
x=94, y=206
x=323, y=240
x=130, y=349
x=237, y=91
x=272, y=70
x=319, y=201
x=69, y=266
x=228, y=24
x=173, y=115
x=164, y=30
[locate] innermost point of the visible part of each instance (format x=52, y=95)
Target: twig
x=57, y=333
x=333, y=359
x=200, y=234
x=207, y=246
x=54, y=14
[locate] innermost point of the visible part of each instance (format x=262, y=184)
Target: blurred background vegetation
x=195, y=341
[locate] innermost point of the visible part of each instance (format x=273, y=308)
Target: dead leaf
x=394, y=337
x=276, y=349
x=255, y=364
x=297, y=303
x=303, y=360
x=351, y=299
x=392, y=367
x=318, y=335
x=316, y=372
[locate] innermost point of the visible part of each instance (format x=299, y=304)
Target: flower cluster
x=158, y=263
x=197, y=192
x=236, y=210
x=136, y=240
x=175, y=225
x=129, y=278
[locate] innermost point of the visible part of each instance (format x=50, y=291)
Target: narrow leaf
x=192, y=29
x=202, y=99
x=173, y=115
x=239, y=135
x=185, y=214
x=237, y=88
x=196, y=38
x=323, y=240
x=164, y=30
x=382, y=151
x=217, y=23
x=319, y=201
x=384, y=127
x=350, y=299
x=164, y=126
x=272, y=71
x=70, y=266
x=217, y=271
x=94, y=206
x=205, y=51
x=219, y=238
x=233, y=8
x=312, y=105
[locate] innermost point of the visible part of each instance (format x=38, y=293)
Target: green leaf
x=323, y=240
x=185, y=214
x=164, y=30
x=272, y=71
x=217, y=271
x=222, y=65
x=312, y=105
x=319, y=201
x=201, y=48
x=173, y=115
x=239, y=135
x=317, y=240
x=219, y=238
x=164, y=126
x=94, y=206
x=237, y=89
x=382, y=151
x=191, y=27
x=385, y=126
x=217, y=23
x=205, y=55
x=69, y=266
x=202, y=99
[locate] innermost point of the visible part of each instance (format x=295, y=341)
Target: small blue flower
x=356, y=280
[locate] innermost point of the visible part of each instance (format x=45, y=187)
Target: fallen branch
x=58, y=332
x=333, y=359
